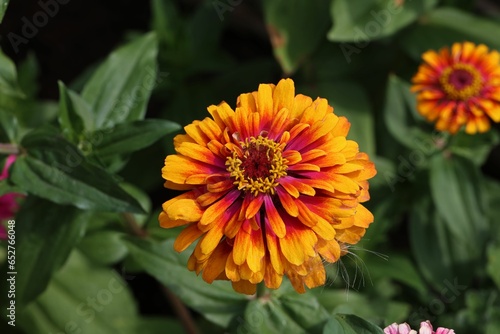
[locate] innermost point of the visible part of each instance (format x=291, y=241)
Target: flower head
x=459, y=88
x=425, y=328
x=273, y=189
x=8, y=202
x=399, y=329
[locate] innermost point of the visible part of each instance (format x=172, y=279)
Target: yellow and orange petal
x=459, y=88
x=273, y=189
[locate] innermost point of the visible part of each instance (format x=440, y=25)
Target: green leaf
x=282, y=311
x=402, y=119
x=27, y=74
x=119, y=89
x=55, y=169
x=296, y=28
x=82, y=298
x=350, y=100
x=456, y=188
x=350, y=324
x=475, y=148
x=400, y=268
x=46, y=234
x=3, y=8
x=444, y=258
x=75, y=115
x=493, y=266
x=364, y=20
x=445, y=26
x=8, y=74
x=130, y=137
x=218, y=302
x=165, y=21
x=103, y=247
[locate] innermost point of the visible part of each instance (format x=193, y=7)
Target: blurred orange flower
x=459, y=87
x=273, y=189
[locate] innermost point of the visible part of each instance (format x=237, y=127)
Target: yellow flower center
x=461, y=81
x=260, y=167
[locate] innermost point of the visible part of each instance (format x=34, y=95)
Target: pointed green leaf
x=3, y=8
x=119, y=89
x=75, y=115
x=46, y=234
x=456, y=189
x=55, y=169
x=130, y=137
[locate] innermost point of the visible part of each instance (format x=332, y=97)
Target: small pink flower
x=425, y=328
x=8, y=202
x=399, y=329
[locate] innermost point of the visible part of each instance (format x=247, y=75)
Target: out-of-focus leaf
x=444, y=259
x=445, y=26
x=130, y=137
x=103, y=247
x=75, y=115
x=165, y=21
x=399, y=268
x=475, y=148
x=364, y=20
x=456, y=189
x=3, y=8
x=349, y=99
x=284, y=312
x=119, y=89
x=296, y=29
x=54, y=169
x=46, y=234
x=82, y=298
x=493, y=266
x=158, y=325
x=27, y=73
x=8, y=75
x=401, y=118
x=218, y=302
x=350, y=324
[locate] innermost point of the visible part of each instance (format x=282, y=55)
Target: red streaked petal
x=288, y=202
x=217, y=209
x=276, y=223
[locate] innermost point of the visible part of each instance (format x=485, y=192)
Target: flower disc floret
x=258, y=166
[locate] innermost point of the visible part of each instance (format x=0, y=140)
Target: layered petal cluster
x=272, y=189
x=459, y=87
x=425, y=328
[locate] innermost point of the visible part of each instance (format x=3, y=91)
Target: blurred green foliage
x=90, y=167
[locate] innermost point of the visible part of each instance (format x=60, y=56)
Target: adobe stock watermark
x=30, y=28
x=372, y=29
x=448, y=294
x=222, y=6
x=87, y=310
x=415, y=160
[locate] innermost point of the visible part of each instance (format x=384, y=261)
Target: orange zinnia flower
x=274, y=188
x=459, y=88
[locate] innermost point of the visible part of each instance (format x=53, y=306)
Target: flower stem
x=261, y=290
x=9, y=149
